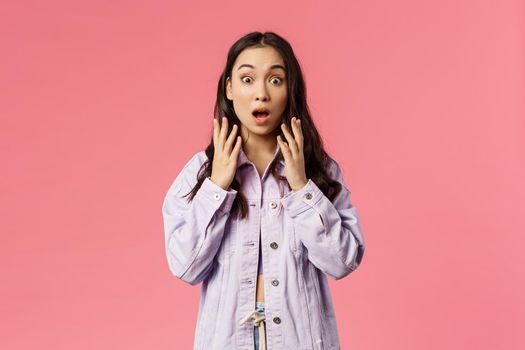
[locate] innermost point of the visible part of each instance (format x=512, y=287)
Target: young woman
x=263, y=215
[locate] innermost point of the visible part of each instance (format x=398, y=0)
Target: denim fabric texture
x=303, y=236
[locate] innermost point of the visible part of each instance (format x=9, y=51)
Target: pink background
x=422, y=102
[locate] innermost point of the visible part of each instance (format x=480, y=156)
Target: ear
x=229, y=89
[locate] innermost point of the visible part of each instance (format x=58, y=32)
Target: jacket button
x=308, y=195
x=274, y=245
x=217, y=196
x=276, y=320
x=275, y=282
x=273, y=205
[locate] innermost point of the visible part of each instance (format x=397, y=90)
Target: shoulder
x=334, y=169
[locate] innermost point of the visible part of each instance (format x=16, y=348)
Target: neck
x=260, y=145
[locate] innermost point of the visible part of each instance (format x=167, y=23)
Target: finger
x=291, y=142
x=297, y=132
x=284, y=148
x=215, y=132
x=231, y=137
x=237, y=148
x=222, y=134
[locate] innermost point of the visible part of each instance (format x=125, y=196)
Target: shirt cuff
x=216, y=196
x=299, y=201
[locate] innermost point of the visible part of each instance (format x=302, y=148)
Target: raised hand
x=293, y=155
x=224, y=158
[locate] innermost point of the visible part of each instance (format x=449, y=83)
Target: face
x=258, y=81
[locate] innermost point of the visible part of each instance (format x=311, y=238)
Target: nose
x=261, y=93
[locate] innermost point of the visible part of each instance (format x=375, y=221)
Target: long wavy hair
x=315, y=157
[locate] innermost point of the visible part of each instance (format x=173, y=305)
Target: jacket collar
x=243, y=159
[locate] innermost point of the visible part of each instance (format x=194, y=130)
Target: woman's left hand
x=293, y=155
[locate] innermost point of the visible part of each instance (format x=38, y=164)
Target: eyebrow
x=275, y=66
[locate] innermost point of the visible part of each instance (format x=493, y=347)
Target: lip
x=261, y=109
x=261, y=120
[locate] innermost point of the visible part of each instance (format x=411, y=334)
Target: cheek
x=241, y=92
x=281, y=94
x=242, y=109
x=282, y=97
x=241, y=98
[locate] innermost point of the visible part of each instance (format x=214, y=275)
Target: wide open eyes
x=247, y=79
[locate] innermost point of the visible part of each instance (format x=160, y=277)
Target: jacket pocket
x=292, y=238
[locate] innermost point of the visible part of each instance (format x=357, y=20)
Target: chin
x=262, y=130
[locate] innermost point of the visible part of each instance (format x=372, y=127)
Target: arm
x=193, y=231
x=330, y=231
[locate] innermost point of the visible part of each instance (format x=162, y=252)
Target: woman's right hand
x=224, y=158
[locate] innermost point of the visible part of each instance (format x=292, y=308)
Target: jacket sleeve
x=331, y=232
x=193, y=231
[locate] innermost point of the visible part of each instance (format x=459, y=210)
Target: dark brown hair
x=316, y=159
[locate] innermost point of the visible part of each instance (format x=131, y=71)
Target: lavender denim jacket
x=304, y=236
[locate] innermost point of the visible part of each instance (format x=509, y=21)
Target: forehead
x=262, y=58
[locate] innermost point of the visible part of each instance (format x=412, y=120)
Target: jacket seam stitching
x=321, y=311
x=307, y=309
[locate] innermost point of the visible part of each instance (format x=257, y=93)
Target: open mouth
x=261, y=112
x=261, y=116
